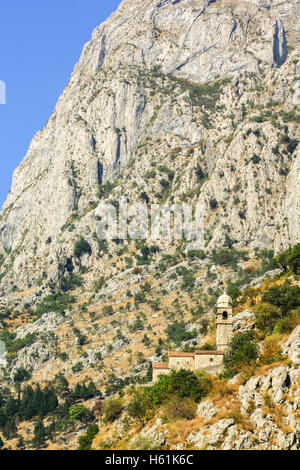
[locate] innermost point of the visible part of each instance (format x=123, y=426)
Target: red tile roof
x=201, y=352
x=160, y=365
x=180, y=354
x=210, y=353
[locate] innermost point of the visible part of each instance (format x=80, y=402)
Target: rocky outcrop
x=265, y=431
x=211, y=435
x=268, y=414
x=32, y=357
x=292, y=346
x=150, y=438
x=46, y=324
x=206, y=410
x=243, y=321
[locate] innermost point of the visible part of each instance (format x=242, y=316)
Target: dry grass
x=264, y=370
x=221, y=391
x=179, y=430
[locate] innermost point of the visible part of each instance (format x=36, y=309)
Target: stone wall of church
x=207, y=360
x=157, y=372
x=181, y=362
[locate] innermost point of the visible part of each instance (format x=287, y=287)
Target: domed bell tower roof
x=224, y=301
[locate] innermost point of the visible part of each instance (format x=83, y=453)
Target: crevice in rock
x=287, y=382
x=69, y=265
x=93, y=143
x=118, y=152
x=233, y=30
x=102, y=52
x=279, y=45
x=100, y=172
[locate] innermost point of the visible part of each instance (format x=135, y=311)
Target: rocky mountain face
x=205, y=89
x=171, y=102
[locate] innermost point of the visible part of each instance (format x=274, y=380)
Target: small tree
x=21, y=443
x=107, y=310
x=213, y=203
x=293, y=259
x=81, y=247
x=137, y=407
x=271, y=350
x=178, y=408
x=39, y=439
x=85, y=441
x=98, y=408
x=285, y=296
x=266, y=316
x=81, y=413
x=22, y=375
x=112, y=409
x=182, y=383
x=242, y=349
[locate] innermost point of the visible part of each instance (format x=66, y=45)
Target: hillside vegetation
x=122, y=415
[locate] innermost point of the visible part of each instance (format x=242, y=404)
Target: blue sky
x=40, y=43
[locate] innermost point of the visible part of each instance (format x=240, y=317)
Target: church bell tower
x=224, y=321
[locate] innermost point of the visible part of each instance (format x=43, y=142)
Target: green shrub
x=22, y=375
x=140, y=297
x=112, y=409
x=107, y=310
x=196, y=254
x=105, y=189
x=77, y=367
x=266, y=316
x=138, y=407
x=138, y=325
x=188, y=281
x=285, y=296
x=233, y=292
x=70, y=282
x=144, y=196
x=176, y=332
x=284, y=325
x=213, y=203
x=242, y=349
x=207, y=347
x=182, y=383
x=81, y=247
x=81, y=413
x=228, y=256
x=201, y=175
x=143, y=442
x=289, y=259
x=255, y=158
x=14, y=344
x=58, y=302
x=181, y=408
x=85, y=441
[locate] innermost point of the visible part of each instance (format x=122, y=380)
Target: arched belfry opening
x=225, y=315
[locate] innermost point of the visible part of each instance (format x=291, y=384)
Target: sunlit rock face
x=179, y=84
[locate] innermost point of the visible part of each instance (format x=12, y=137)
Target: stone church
x=211, y=361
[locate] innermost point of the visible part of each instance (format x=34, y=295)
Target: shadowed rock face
x=134, y=85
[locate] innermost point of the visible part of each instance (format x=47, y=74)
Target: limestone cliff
x=209, y=84
x=172, y=101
